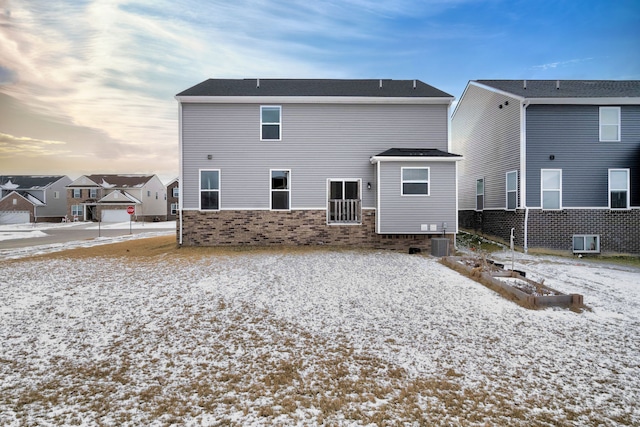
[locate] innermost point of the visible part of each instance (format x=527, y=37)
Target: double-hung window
x=76, y=210
x=512, y=190
x=176, y=191
x=415, y=181
x=619, y=189
x=280, y=190
x=174, y=208
x=93, y=193
x=209, y=190
x=551, y=188
x=77, y=193
x=609, y=123
x=479, y=194
x=270, y=123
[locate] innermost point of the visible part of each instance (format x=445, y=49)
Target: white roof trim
x=313, y=100
x=376, y=159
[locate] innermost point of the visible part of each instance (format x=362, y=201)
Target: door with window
x=344, y=204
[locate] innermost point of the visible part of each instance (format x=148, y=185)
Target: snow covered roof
x=112, y=181
x=27, y=182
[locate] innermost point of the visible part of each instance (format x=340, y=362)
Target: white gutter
x=377, y=159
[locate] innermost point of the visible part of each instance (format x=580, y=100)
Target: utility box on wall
x=440, y=246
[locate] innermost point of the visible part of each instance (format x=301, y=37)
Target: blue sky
x=87, y=86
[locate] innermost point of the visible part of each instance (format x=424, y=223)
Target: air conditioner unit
x=440, y=246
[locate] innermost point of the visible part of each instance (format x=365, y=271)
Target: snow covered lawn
x=193, y=337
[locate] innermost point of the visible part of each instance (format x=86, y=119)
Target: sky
x=88, y=86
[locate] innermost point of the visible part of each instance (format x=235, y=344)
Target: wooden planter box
x=513, y=285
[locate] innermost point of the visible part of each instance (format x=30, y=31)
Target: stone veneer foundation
x=619, y=230
x=297, y=228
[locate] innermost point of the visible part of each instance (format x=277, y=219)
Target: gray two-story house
x=363, y=163
x=32, y=198
x=556, y=161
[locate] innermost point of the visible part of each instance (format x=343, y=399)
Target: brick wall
x=220, y=228
x=21, y=204
x=619, y=230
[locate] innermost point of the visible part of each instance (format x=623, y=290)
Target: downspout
x=180, y=177
x=523, y=173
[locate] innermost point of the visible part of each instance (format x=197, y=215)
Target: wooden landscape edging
x=481, y=273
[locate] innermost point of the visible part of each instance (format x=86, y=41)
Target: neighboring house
x=31, y=198
x=557, y=161
x=107, y=197
x=173, y=195
x=361, y=163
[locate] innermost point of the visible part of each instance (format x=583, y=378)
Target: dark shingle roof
x=118, y=181
x=567, y=88
x=416, y=152
x=313, y=87
x=29, y=181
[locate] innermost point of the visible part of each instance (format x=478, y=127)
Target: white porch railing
x=345, y=211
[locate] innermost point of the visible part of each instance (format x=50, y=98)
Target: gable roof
x=28, y=182
x=120, y=197
x=567, y=88
x=112, y=181
x=385, y=88
x=28, y=197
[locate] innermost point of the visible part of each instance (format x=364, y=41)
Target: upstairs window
x=415, y=181
x=176, y=191
x=551, y=189
x=512, y=190
x=480, y=194
x=619, y=189
x=280, y=191
x=209, y=190
x=270, y=122
x=93, y=193
x=609, y=123
x=77, y=193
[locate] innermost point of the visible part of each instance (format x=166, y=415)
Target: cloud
x=560, y=64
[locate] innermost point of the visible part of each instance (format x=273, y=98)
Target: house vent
x=380, y=83
x=257, y=83
x=414, y=84
x=524, y=85
x=557, y=84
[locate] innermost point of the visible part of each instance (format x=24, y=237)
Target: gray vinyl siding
x=400, y=214
x=571, y=134
x=54, y=207
x=319, y=141
x=489, y=139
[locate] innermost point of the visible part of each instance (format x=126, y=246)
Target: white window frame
x=627, y=189
x=279, y=123
x=176, y=192
x=543, y=190
x=617, y=125
x=210, y=190
x=415, y=181
x=174, y=208
x=584, y=237
x=93, y=193
x=507, y=191
x=79, y=193
x=76, y=210
x=271, y=189
x=480, y=208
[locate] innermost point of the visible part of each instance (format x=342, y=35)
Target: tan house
x=107, y=197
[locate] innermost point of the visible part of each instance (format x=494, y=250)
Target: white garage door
x=115, y=215
x=14, y=217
